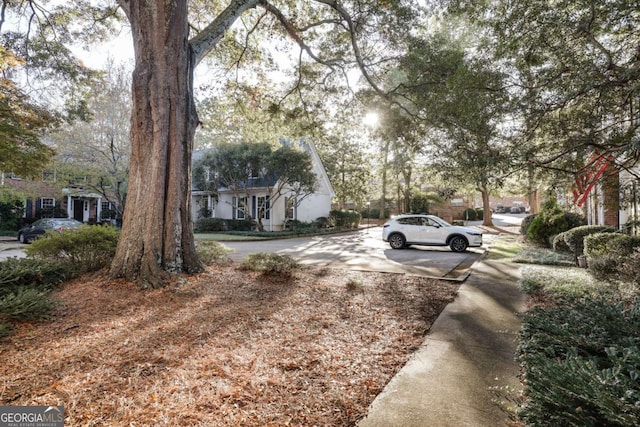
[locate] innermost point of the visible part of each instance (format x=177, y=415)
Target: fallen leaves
x=223, y=348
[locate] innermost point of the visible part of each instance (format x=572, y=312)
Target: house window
x=107, y=210
x=47, y=207
x=457, y=202
x=47, y=203
x=290, y=208
x=262, y=203
x=239, y=207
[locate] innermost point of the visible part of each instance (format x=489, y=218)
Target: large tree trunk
x=156, y=234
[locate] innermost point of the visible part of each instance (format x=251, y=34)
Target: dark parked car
x=38, y=228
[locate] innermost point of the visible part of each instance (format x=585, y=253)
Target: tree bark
x=157, y=237
x=486, y=207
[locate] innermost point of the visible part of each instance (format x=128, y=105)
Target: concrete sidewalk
x=459, y=375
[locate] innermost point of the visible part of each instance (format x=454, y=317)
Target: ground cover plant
x=228, y=347
x=579, y=350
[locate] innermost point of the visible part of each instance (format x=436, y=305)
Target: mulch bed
x=223, y=348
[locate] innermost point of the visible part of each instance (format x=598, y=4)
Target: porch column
x=69, y=207
x=98, y=209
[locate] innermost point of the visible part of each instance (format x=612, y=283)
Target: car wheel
x=22, y=238
x=397, y=241
x=458, y=244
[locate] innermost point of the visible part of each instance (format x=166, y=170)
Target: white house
x=255, y=199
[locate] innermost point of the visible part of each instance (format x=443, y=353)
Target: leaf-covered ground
x=224, y=348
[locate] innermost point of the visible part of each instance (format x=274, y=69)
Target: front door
x=78, y=210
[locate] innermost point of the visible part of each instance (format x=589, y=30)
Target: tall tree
x=99, y=147
x=156, y=236
x=22, y=125
x=579, y=70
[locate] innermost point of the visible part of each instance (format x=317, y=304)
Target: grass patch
x=505, y=248
x=544, y=256
x=557, y=283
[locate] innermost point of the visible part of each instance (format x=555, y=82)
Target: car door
x=433, y=233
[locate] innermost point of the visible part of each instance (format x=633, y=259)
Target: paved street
x=365, y=250
x=358, y=250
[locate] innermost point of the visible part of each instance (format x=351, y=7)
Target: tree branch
x=203, y=42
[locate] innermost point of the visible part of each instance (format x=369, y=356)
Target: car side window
x=429, y=222
x=410, y=221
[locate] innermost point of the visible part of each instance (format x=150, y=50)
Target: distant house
x=255, y=200
x=49, y=198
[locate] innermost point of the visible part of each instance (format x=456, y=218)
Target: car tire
x=458, y=244
x=22, y=238
x=397, y=241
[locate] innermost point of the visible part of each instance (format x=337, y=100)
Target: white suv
x=429, y=230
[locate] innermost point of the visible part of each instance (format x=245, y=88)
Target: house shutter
x=253, y=207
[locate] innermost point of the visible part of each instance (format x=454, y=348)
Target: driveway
x=365, y=250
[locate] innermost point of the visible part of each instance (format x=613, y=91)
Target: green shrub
x=211, y=252
x=20, y=272
x=526, y=223
x=25, y=303
x=550, y=222
x=629, y=269
x=346, y=219
x=559, y=243
x=479, y=214
x=580, y=362
x=270, y=264
x=574, y=238
x=469, y=214
x=595, y=245
x=623, y=245
x=324, y=222
x=604, y=267
x=87, y=248
x=208, y=225
x=5, y=329
x=213, y=225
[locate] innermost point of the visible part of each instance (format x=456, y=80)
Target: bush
x=580, y=362
x=213, y=225
x=208, y=225
x=25, y=303
x=526, y=222
x=16, y=272
x=211, y=252
x=87, y=248
x=629, y=269
x=270, y=264
x=469, y=214
x=550, y=222
x=479, y=214
x=574, y=238
x=559, y=244
x=346, y=219
x=622, y=245
x=324, y=222
x=604, y=267
x=25, y=286
x=595, y=245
